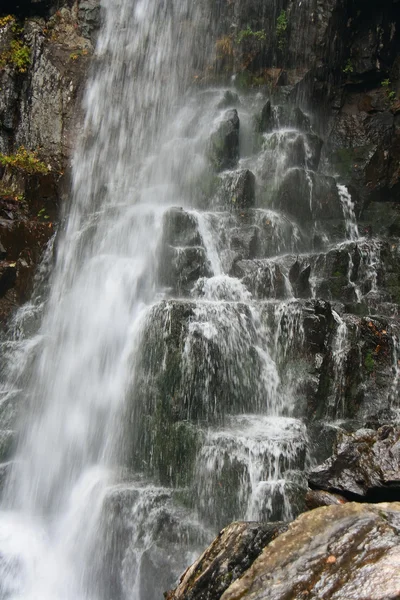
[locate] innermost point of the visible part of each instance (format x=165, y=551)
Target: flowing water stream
x=160, y=392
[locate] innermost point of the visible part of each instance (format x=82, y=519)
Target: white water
x=349, y=213
x=124, y=176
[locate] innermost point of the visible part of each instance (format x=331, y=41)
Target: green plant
x=369, y=362
x=75, y=55
x=8, y=192
x=20, y=55
x=281, y=28
x=6, y=20
x=390, y=94
x=42, y=214
x=348, y=69
x=248, y=33
x=24, y=160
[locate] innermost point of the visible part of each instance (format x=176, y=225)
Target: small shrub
x=20, y=55
x=24, y=160
x=348, y=69
x=249, y=34
x=390, y=94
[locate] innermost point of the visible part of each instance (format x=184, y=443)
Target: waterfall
x=124, y=174
x=167, y=387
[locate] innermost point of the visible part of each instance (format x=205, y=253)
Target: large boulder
x=225, y=560
x=335, y=552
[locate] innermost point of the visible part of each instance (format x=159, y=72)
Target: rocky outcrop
x=335, y=552
x=365, y=465
x=44, y=56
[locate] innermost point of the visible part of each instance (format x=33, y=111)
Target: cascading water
x=165, y=391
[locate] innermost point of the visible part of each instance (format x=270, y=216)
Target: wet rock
x=89, y=17
x=266, y=122
x=318, y=498
x=229, y=99
x=224, y=143
x=225, y=560
x=237, y=191
x=334, y=552
x=180, y=268
x=282, y=117
x=264, y=279
x=180, y=228
x=309, y=197
x=365, y=464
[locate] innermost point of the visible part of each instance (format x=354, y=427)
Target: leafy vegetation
x=249, y=34
x=4, y=21
x=281, y=28
x=75, y=55
x=24, y=160
x=18, y=54
x=9, y=193
x=390, y=94
x=369, y=362
x=348, y=69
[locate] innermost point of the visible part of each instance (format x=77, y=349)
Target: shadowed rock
x=365, y=464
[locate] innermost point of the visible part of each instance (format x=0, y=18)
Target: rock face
x=365, y=465
x=38, y=113
x=336, y=552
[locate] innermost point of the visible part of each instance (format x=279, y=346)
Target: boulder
x=334, y=552
x=237, y=190
x=225, y=560
x=223, y=149
x=365, y=464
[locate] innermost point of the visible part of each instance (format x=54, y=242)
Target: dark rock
x=230, y=99
x=180, y=228
x=317, y=498
x=264, y=279
x=365, y=464
x=225, y=560
x=180, y=268
x=237, y=191
x=224, y=143
x=266, y=122
x=309, y=197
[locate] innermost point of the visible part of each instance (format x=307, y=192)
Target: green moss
x=369, y=362
x=281, y=29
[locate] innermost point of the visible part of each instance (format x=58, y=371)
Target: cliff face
x=45, y=50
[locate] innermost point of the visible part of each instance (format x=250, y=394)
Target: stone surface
x=365, y=464
x=335, y=552
x=224, y=142
x=228, y=557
